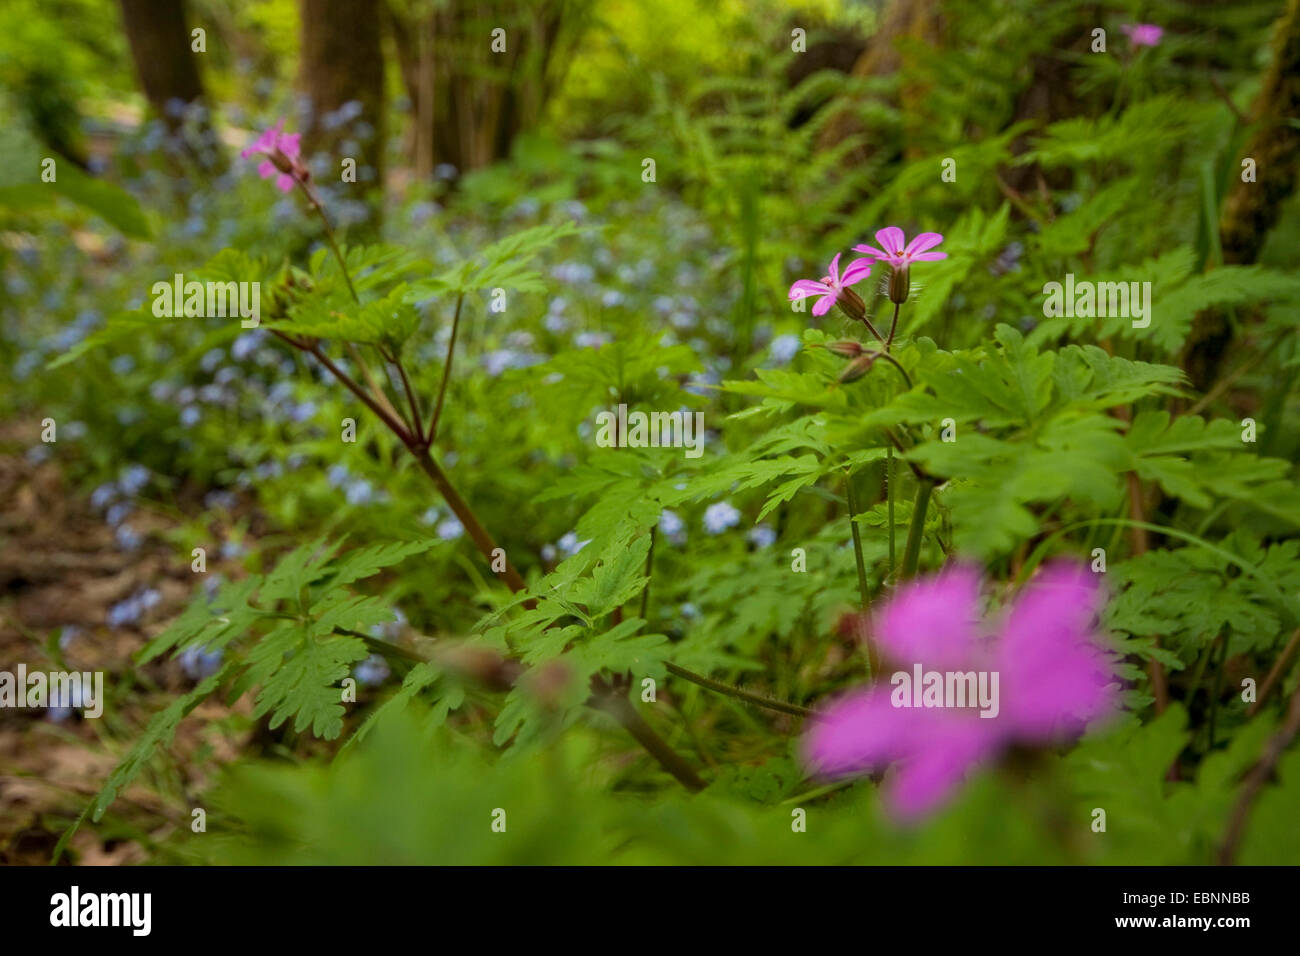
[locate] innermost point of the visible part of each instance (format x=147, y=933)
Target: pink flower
x=898, y=255
x=1047, y=675
x=1143, y=34
x=833, y=285
x=283, y=156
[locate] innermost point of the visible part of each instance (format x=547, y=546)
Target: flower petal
x=807, y=287
x=859, y=732
x=926, y=240
x=855, y=271
x=870, y=251
x=266, y=168
x=824, y=304
x=1054, y=675
x=929, y=256
x=285, y=183
x=891, y=239
x=941, y=763
x=834, y=273
x=933, y=621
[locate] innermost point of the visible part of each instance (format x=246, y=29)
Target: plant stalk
x=912, y=551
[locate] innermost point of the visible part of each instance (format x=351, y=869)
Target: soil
x=61, y=572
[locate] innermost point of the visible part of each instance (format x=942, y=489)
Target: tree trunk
x=915, y=19
x=343, y=62
x=160, y=43
x=468, y=100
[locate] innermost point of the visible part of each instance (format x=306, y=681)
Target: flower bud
x=858, y=367
x=846, y=349
x=851, y=304
x=899, y=284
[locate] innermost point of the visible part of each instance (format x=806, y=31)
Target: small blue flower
x=784, y=348
x=360, y=492
x=762, y=536
x=212, y=359
x=672, y=527
x=570, y=545
x=119, y=513
x=720, y=516
x=133, y=479
x=373, y=671
x=103, y=495
x=245, y=345
x=233, y=549
x=199, y=662
x=450, y=530
x=124, y=612
x=220, y=500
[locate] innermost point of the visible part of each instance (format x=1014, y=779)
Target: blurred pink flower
x=832, y=284
x=1143, y=34
x=1051, y=679
x=898, y=255
x=283, y=156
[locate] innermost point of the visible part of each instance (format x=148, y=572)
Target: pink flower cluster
x=283, y=157
x=893, y=250
x=1143, y=34
x=1052, y=679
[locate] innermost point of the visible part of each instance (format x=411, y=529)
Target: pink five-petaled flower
x=283, y=157
x=900, y=255
x=834, y=286
x=1052, y=678
x=1143, y=34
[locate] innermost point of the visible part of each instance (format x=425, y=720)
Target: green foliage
x=1043, y=436
x=23, y=188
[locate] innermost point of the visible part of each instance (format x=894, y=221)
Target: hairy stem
x=446, y=372
x=912, y=551
x=604, y=696
x=616, y=704
x=890, y=474
x=731, y=691
x=852, y=496
x=1255, y=780
x=417, y=419
x=649, y=570
x=1275, y=672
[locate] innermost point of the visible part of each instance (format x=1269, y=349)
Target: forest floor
x=61, y=575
